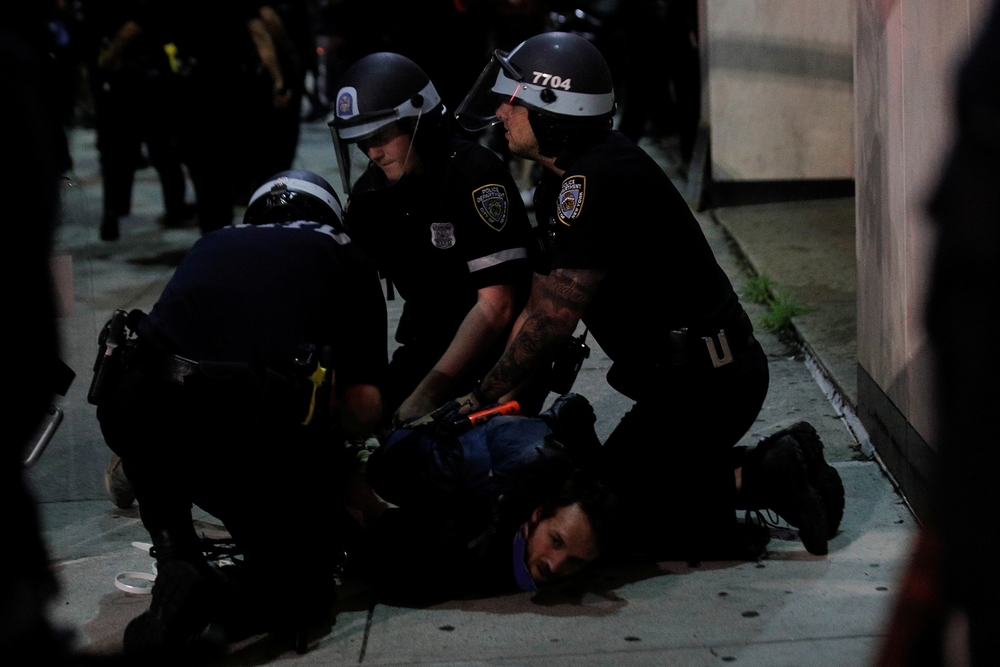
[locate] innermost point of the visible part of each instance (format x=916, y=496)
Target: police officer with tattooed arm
x=624, y=254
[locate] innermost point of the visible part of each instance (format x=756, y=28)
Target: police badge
x=570, y=201
x=442, y=235
x=491, y=204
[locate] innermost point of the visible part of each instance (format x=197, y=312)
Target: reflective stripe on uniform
x=496, y=258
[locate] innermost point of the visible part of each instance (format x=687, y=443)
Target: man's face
x=392, y=150
x=520, y=137
x=560, y=545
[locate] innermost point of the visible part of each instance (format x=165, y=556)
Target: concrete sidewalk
x=788, y=609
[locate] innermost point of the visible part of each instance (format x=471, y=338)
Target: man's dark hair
x=596, y=500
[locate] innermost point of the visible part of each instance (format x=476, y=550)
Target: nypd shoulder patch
x=492, y=205
x=571, y=196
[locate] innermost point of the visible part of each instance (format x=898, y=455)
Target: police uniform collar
x=573, y=150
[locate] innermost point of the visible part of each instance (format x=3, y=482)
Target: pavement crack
x=368, y=628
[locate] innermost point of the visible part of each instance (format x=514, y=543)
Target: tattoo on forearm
x=539, y=335
x=559, y=301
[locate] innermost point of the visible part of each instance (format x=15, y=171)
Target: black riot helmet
x=293, y=195
x=561, y=78
x=376, y=91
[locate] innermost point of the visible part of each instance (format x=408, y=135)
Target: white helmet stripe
x=299, y=185
x=405, y=110
x=566, y=102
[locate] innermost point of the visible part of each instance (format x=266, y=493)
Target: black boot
x=775, y=477
x=109, y=226
x=186, y=594
x=822, y=476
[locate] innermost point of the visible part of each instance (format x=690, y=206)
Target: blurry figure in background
x=450, y=40
x=662, y=36
x=948, y=610
x=133, y=89
x=513, y=21
x=228, y=76
x=441, y=218
x=64, y=45
x=314, y=62
x=277, y=129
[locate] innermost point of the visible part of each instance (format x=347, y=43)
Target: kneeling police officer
x=623, y=253
x=236, y=393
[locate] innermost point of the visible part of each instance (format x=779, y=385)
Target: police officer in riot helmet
x=624, y=254
x=236, y=394
x=296, y=194
x=441, y=218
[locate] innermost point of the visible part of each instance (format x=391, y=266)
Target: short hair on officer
x=378, y=90
x=561, y=78
x=295, y=194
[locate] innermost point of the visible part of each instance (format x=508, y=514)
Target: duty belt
x=301, y=396
x=702, y=351
x=176, y=368
x=719, y=346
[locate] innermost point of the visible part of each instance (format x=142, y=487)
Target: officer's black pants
x=132, y=110
x=272, y=484
x=671, y=458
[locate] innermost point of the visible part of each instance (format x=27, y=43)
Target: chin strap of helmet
x=413, y=136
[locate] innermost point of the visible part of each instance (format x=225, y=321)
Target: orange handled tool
x=483, y=416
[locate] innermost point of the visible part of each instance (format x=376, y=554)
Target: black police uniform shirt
x=615, y=210
x=443, y=234
x=256, y=293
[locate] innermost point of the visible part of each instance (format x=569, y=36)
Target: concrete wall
x=906, y=54
x=780, y=103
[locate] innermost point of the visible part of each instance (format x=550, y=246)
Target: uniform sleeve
x=361, y=356
x=591, y=226
x=496, y=233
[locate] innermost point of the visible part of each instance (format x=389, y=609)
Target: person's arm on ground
x=556, y=304
x=479, y=330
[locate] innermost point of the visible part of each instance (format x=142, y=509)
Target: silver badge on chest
x=442, y=235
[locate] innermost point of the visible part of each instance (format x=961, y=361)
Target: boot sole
x=822, y=476
x=805, y=509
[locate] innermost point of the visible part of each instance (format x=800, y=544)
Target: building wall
x=906, y=56
x=780, y=84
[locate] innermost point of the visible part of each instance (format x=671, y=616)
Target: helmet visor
x=498, y=83
x=389, y=150
x=355, y=129
x=350, y=159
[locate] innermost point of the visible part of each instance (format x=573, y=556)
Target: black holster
x=687, y=353
x=115, y=344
